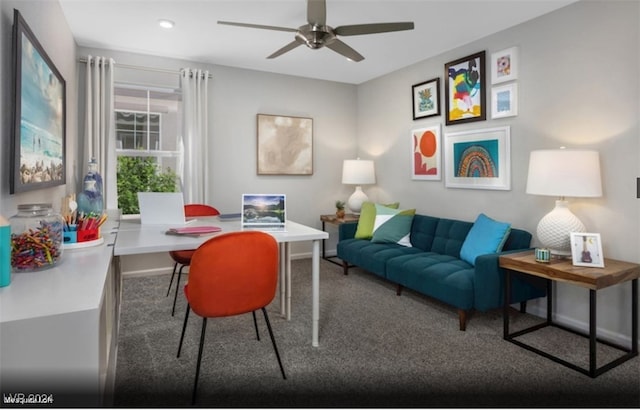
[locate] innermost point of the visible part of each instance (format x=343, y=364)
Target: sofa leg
x=523, y=307
x=462, y=316
x=345, y=267
x=399, y=290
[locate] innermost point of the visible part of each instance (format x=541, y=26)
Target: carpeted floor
x=376, y=350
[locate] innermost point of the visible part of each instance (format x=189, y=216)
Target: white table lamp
x=562, y=173
x=358, y=172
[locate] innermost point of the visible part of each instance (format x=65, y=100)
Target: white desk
x=134, y=239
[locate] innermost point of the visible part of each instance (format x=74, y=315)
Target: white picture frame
x=504, y=101
x=504, y=65
x=586, y=249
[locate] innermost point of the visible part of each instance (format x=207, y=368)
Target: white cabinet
x=58, y=328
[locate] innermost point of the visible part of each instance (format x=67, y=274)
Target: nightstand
x=332, y=219
x=562, y=270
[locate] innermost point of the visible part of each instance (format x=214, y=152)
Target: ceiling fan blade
x=317, y=12
x=260, y=26
x=286, y=48
x=357, y=29
x=341, y=48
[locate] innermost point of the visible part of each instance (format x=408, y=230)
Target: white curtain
x=100, y=140
x=195, y=171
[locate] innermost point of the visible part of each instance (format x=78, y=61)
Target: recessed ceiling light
x=164, y=23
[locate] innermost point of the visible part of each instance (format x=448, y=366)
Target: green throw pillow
x=485, y=236
x=367, y=219
x=392, y=225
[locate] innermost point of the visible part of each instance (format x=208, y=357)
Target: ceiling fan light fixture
x=166, y=24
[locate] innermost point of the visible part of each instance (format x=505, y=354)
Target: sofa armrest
x=489, y=283
x=347, y=230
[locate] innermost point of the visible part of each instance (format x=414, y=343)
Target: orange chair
x=232, y=274
x=183, y=258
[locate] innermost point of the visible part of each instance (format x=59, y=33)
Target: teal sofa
x=432, y=265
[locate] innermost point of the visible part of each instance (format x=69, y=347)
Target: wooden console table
x=332, y=219
x=562, y=270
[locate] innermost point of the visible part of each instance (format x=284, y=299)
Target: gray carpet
x=376, y=350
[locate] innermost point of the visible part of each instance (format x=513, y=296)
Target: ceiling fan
x=317, y=34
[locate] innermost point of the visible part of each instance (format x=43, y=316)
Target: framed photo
x=478, y=159
x=425, y=144
x=586, y=249
x=39, y=120
x=504, y=65
x=504, y=101
x=426, y=99
x=465, y=97
x=285, y=145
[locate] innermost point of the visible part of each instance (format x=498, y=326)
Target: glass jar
x=36, y=238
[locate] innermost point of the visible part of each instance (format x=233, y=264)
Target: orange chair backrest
x=233, y=273
x=191, y=210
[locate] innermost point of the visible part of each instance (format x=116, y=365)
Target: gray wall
x=578, y=86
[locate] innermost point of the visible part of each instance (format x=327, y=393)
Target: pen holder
x=87, y=235
x=69, y=237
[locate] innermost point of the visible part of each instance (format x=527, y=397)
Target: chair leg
x=175, y=266
x=175, y=298
x=273, y=341
x=255, y=323
x=184, y=327
x=195, y=383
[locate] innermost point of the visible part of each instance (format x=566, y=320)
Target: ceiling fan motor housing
x=315, y=36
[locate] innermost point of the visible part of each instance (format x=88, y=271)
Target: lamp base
x=356, y=199
x=554, y=229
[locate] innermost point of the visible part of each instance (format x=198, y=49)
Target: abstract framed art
x=285, y=145
x=504, y=101
x=425, y=144
x=426, y=99
x=465, y=89
x=504, y=65
x=39, y=115
x=478, y=159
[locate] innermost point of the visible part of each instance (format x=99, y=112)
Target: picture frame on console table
x=465, y=89
x=586, y=249
x=38, y=145
x=426, y=99
x=478, y=159
x=285, y=145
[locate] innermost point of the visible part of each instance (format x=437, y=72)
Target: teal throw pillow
x=486, y=236
x=392, y=225
x=364, y=230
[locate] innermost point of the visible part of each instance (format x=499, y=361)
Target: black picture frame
x=465, y=84
x=38, y=149
x=425, y=98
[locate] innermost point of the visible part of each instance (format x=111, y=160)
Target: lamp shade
x=358, y=172
x=564, y=172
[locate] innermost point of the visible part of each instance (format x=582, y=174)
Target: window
x=147, y=128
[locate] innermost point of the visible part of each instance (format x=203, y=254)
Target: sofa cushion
x=367, y=219
x=392, y=225
x=449, y=237
x=486, y=236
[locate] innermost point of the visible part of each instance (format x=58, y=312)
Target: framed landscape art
x=39, y=120
x=425, y=144
x=465, y=89
x=426, y=99
x=285, y=145
x=478, y=159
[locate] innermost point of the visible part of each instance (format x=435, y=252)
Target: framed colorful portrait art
x=426, y=99
x=465, y=89
x=425, y=144
x=504, y=65
x=478, y=159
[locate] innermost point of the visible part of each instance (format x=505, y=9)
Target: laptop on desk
x=264, y=212
x=162, y=208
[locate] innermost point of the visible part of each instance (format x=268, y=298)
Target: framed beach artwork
x=478, y=159
x=39, y=120
x=425, y=153
x=285, y=145
x=465, y=89
x=504, y=65
x=504, y=100
x=426, y=99
x=586, y=249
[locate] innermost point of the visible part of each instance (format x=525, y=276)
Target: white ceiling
x=440, y=25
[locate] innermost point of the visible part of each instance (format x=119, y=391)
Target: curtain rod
x=136, y=67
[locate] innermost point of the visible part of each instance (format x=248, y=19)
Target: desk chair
x=183, y=258
x=232, y=274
